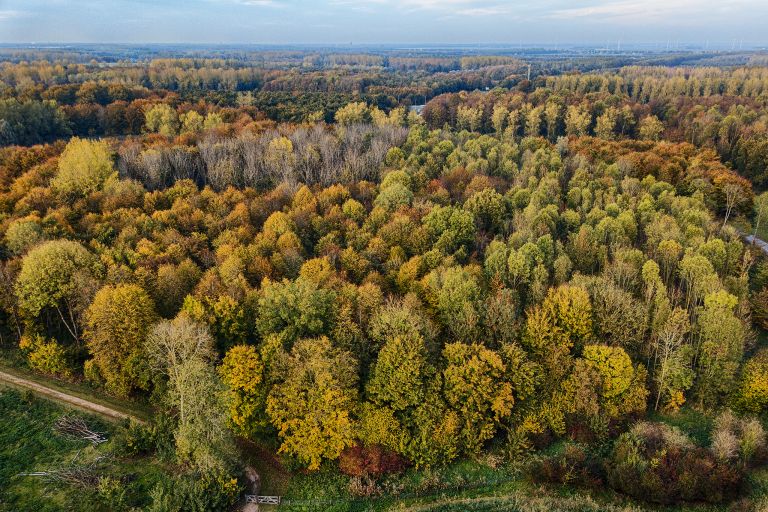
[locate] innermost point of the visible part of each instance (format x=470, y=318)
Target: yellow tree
x=84, y=167
x=117, y=322
x=313, y=406
x=242, y=371
x=475, y=385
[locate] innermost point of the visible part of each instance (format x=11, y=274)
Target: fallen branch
x=84, y=475
x=76, y=428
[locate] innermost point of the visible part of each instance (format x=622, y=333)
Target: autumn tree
x=242, y=371
x=84, y=167
x=162, y=119
x=605, y=386
x=476, y=386
x=752, y=393
x=353, y=113
x=651, y=128
x=313, y=406
x=117, y=322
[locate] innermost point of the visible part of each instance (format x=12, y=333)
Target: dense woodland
x=279, y=251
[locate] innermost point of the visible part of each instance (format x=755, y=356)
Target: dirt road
x=59, y=396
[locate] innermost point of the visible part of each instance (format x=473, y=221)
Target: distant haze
x=720, y=24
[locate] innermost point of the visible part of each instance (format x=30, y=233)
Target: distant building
x=416, y=108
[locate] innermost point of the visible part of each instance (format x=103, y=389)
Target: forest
x=535, y=289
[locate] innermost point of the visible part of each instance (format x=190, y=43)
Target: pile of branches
x=79, y=475
x=76, y=428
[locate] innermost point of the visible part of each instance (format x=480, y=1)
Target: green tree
x=295, y=309
x=721, y=336
x=202, y=436
x=56, y=275
x=456, y=294
x=760, y=211
x=406, y=412
x=449, y=228
x=182, y=351
x=22, y=234
x=673, y=374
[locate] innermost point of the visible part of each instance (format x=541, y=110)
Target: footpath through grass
x=9, y=364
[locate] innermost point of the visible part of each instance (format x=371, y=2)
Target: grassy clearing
x=28, y=444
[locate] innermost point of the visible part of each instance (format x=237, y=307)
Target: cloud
x=11, y=14
x=444, y=7
x=638, y=11
x=257, y=3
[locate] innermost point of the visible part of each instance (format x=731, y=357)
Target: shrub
x=46, y=356
x=374, y=460
x=575, y=466
x=741, y=439
x=657, y=463
x=195, y=493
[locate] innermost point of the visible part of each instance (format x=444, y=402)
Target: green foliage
x=28, y=444
x=295, y=309
x=23, y=234
x=449, y=228
x=407, y=413
x=56, y=275
x=195, y=493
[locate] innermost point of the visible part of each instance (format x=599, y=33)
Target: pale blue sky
x=384, y=21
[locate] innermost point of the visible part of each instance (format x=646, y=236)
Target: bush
x=657, y=463
x=738, y=439
x=575, y=466
x=195, y=493
x=45, y=356
x=135, y=439
x=372, y=460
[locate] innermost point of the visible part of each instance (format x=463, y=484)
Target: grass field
x=29, y=444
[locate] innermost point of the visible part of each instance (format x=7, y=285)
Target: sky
x=722, y=22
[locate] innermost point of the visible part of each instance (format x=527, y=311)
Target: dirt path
x=66, y=398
